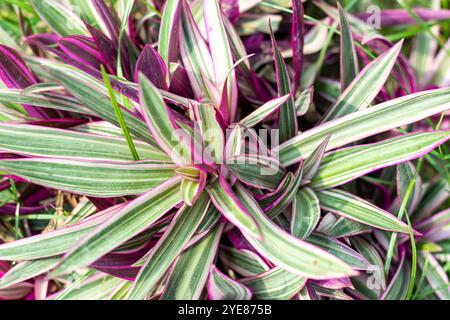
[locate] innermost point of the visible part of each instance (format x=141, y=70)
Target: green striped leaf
x=355, y=208
x=288, y=114
x=162, y=127
x=229, y=205
x=398, y=287
x=344, y=227
x=305, y=213
x=436, y=275
x=221, y=56
x=258, y=171
x=92, y=93
x=289, y=252
x=243, y=261
x=196, y=57
x=404, y=175
x=365, y=123
x=129, y=221
x=275, y=284
x=26, y=270
x=65, y=144
x=304, y=101
x=59, y=17
x=263, y=111
x=170, y=245
x=348, y=164
x=99, y=179
x=312, y=163
x=349, y=59
x=55, y=242
x=366, y=86
x=222, y=287
x=369, y=251
x=168, y=31
x=340, y=250
x=189, y=276
x=286, y=197
x=98, y=287
x=211, y=131
x=46, y=100
x=189, y=190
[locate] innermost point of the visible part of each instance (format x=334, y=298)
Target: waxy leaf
x=222, y=287
x=169, y=246
x=289, y=252
x=348, y=164
x=99, y=179
x=129, y=221
x=365, y=123
x=305, y=213
x=352, y=207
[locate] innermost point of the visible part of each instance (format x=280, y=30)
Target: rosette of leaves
x=134, y=166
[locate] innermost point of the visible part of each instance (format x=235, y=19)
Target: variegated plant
x=223, y=149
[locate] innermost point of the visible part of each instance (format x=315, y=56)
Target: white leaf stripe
x=232, y=208
x=348, y=57
x=157, y=116
x=59, y=17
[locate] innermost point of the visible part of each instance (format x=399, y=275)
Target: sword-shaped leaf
x=361, y=124
x=211, y=131
x=196, y=57
x=59, y=17
x=190, y=274
x=355, y=208
x=366, y=86
x=55, y=242
x=288, y=252
x=49, y=142
x=99, y=179
x=348, y=164
x=305, y=213
x=288, y=114
x=170, y=138
x=264, y=111
x=275, y=284
x=169, y=246
x=221, y=56
x=26, y=270
x=129, y=221
x=348, y=57
x=222, y=287
x=229, y=205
